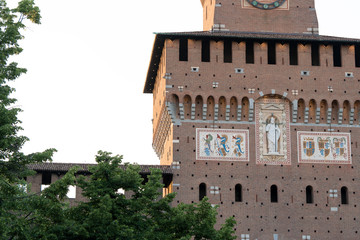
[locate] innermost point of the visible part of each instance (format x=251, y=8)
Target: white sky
x=87, y=64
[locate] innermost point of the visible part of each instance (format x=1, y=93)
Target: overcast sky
x=87, y=64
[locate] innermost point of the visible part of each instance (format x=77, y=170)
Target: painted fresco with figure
x=322, y=147
x=232, y=145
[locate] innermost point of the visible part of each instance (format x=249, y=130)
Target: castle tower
x=281, y=16
x=261, y=114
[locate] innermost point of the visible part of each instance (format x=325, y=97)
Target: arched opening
x=238, y=193
x=198, y=107
x=356, y=112
x=301, y=110
x=187, y=106
x=312, y=111
x=222, y=108
x=344, y=195
x=309, y=194
x=334, y=111
x=175, y=104
x=210, y=107
x=323, y=111
x=245, y=109
x=233, y=108
x=274, y=194
x=346, y=112
x=202, y=191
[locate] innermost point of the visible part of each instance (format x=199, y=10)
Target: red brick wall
x=300, y=16
x=291, y=217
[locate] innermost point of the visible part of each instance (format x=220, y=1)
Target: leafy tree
x=13, y=162
x=109, y=214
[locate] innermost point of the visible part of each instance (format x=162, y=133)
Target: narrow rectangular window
x=250, y=58
x=183, y=50
x=315, y=54
x=205, y=51
x=46, y=178
x=293, y=52
x=273, y=194
x=238, y=193
x=344, y=195
x=71, y=192
x=309, y=195
x=337, y=55
x=202, y=191
x=357, y=55
x=271, y=53
x=227, y=51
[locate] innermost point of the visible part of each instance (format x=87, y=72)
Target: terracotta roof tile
x=258, y=35
x=64, y=167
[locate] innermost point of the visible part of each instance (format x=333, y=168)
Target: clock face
x=266, y=4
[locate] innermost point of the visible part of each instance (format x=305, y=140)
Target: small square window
x=349, y=74
x=245, y=236
x=72, y=192
x=305, y=73
x=195, y=69
x=239, y=70
x=43, y=187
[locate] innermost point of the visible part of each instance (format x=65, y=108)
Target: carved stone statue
x=273, y=135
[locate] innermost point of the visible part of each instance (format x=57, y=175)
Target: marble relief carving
x=272, y=132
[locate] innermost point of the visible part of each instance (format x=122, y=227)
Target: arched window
x=198, y=107
x=344, y=195
x=233, y=108
x=202, y=191
x=222, y=108
x=187, y=106
x=334, y=111
x=245, y=109
x=273, y=194
x=356, y=112
x=309, y=194
x=301, y=110
x=323, y=111
x=312, y=111
x=210, y=107
x=346, y=112
x=175, y=104
x=238, y=193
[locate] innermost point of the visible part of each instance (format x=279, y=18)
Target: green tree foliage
x=12, y=161
x=108, y=214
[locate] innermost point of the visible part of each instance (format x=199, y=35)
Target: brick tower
x=260, y=113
